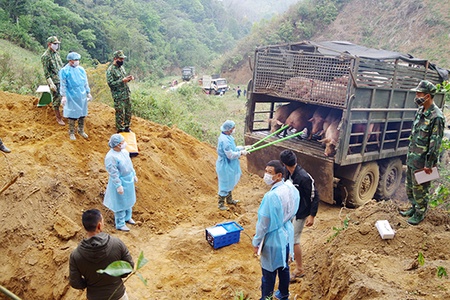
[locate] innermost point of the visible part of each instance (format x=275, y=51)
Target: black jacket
x=91, y=255
x=309, y=196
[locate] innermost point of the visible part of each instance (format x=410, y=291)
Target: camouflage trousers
x=56, y=97
x=418, y=194
x=123, y=113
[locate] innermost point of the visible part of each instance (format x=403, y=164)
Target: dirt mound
x=176, y=201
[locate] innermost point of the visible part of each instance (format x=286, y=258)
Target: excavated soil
x=176, y=200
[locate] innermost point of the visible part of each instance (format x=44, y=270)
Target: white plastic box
x=385, y=229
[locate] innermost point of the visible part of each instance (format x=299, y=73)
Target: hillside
x=176, y=201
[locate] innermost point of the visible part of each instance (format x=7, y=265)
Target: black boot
x=81, y=128
x=230, y=199
x=72, y=129
x=222, y=203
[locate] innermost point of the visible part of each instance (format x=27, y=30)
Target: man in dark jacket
x=309, y=204
x=96, y=252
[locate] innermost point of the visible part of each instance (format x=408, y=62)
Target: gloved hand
x=240, y=148
x=89, y=97
x=244, y=152
x=51, y=85
x=63, y=100
x=135, y=179
x=247, y=147
x=120, y=190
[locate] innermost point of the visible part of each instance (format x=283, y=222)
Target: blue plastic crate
x=223, y=234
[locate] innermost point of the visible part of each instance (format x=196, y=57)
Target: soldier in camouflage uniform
x=52, y=64
x=118, y=83
x=3, y=147
x=423, y=152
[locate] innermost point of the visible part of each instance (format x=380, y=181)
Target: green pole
x=8, y=293
x=274, y=142
x=270, y=135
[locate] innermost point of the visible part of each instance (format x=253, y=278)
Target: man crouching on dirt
x=96, y=252
x=423, y=151
x=275, y=232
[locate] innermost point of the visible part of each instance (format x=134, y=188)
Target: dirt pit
x=176, y=200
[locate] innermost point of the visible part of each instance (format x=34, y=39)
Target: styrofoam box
x=385, y=229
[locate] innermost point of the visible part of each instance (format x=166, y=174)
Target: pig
x=317, y=121
x=298, y=119
x=330, y=90
x=299, y=87
x=281, y=114
x=373, y=134
x=331, y=135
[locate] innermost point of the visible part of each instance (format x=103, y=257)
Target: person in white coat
x=75, y=94
x=120, y=195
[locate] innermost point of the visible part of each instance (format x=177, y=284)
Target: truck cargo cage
x=370, y=88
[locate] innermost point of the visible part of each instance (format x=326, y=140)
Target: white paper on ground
x=422, y=177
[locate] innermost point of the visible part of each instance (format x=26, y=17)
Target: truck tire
x=364, y=187
x=391, y=172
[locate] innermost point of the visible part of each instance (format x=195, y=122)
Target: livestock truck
x=371, y=91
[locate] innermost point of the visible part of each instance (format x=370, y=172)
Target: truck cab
x=371, y=91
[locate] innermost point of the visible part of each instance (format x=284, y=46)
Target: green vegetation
x=441, y=272
x=119, y=268
x=339, y=229
x=420, y=259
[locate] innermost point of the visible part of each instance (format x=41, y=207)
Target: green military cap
x=53, y=40
x=425, y=87
x=119, y=54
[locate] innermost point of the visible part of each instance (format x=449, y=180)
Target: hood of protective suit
x=95, y=248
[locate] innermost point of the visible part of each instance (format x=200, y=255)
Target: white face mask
x=268, y=179
x=233, y=131
x=123, y=146
x=55, y=47
x=76, y=63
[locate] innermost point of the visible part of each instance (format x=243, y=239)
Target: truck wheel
x=364, y=187
x=390, y=178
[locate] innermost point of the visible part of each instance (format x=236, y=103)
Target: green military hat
x=53, y=40
x=425, y=87
x=119, y=54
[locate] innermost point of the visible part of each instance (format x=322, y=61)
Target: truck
x=214, y=86
x=187, y=73
x=371, y=91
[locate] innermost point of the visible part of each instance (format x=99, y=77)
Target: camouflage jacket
x=51, y=61
x=426, y=137
x=119, y=89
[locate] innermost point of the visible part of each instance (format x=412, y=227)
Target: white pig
x=281, y=114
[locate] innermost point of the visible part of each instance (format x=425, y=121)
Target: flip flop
x=293, y=277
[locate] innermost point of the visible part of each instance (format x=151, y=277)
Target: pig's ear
x=279, y=123
x=310, y=120
x=327, y=140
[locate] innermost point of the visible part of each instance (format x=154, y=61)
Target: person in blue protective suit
x=120, y=195
x=75, y=94
x=228, y=167
x=275, y=232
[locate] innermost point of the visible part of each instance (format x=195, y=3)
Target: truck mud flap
x=316, y=164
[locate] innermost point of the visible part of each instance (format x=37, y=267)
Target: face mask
x=119, y=63
x=233, y=131
x=268, y=179
x=420, y=100
x=55, y=47
x=76, y=63
x=123, y=146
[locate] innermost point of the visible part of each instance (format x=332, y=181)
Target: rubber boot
x=416, y=218
x=81, y=128
x=72, y=129
x=222, y=203
x=230, y=199
x=408, y=213
x=58, y=117
x=3, y=148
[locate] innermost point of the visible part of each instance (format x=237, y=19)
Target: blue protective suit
x=75, y=87
x=121, y=173
x=228, y=167
x=274, y=225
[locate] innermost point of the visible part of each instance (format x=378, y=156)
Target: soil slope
x=176, y=200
